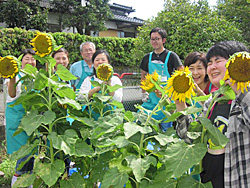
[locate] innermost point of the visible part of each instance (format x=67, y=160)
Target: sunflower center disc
x=181, y=84
x=240, y=70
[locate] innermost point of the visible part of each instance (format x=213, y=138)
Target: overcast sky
x=145, y=9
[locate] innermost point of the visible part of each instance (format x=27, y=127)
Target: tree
x=90, y=16
x=25, y=14
x=190, y=27
x=237, y=11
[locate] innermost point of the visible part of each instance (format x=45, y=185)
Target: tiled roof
x=121, y=7
x=128, y=19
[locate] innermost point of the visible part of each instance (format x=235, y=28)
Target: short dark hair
x=193, y=58
x=27, y=51
x=159, y=30
x=225, y=49
x=60, y=50
x=101, y=52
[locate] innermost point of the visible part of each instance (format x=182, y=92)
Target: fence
x=131, y=92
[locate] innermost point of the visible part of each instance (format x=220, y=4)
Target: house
x=121, y=25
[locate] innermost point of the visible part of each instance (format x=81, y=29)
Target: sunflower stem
x=50, y=108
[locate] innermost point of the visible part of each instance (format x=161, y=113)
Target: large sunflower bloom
x=147, y=84
x=9, y=66
x=104, y=72
x=43, y=44
x=180, y=85
x=238, y=70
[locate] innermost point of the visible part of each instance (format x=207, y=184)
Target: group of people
x=224, y=167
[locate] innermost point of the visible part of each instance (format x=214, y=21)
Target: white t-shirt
x=86, y=86
x=18, y=89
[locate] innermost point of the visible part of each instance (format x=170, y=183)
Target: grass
x=7, y=166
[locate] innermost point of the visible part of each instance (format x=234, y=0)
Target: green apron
x=13, y=117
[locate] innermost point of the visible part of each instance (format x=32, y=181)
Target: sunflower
x=238, y=70
x=9, y=66
x=180, y=85
x=43, y=44
x=147, y=84
x=104, y=72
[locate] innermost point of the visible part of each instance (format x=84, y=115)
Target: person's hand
x=158, y=93
x=198, y=91
x=234, y=87
x=180, y=106
x=145, y=97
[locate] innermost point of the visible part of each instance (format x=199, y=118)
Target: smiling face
x=216, y=69
x=156, y=41
x=100, y=59
x=28, y=59
x=198, y=72
x=61, y=58
x=87, y=52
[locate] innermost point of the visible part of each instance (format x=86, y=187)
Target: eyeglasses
x=156, y=39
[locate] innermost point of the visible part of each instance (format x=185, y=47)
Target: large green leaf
x=140, y=165
x=120, y=141
x=164, y=139
x=64, y=73
x=181, y=156
x=50, y=172
x=70, y=102
x=24, y=181
x=82, y=149
x=24, y=98
x=41, y=80
x=31, y=121
x=29, y=69
x=102, y=98
x=114, y=88
x=113, y=178
x=75, y=181
x=190, y=182
x=214, y=131
x=24, y=150
x=131, y=129
x=65, y=142
x=160, y=181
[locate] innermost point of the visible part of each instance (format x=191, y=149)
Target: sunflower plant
x=238, y=67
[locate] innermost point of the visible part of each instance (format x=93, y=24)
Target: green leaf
x=24, y=181
x=32, y=120
x=29, y=69
x=160, y=181
x=113, y=178
x=50, y=172
x=101, y=97
x=24, y=150
x=75, y=181
x=41, y=80
x=64, y=73
x=82, y=149
x=120, y=141
x=164, y=139
x=70, y=102
x=24, y=98
x=181, y=156
x=214, y=131
x=140, y=165
x=129, y=116
x=131, y=129
x=190, y=182
x=65, y=142
x=201, y=98
x=114, y=88
x=117, y=104
x=95, y=84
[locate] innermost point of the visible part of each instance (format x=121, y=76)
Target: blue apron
x=162, y=70
x=85, y=74
x=13, y=117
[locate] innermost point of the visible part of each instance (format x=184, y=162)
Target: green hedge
x=12, y=41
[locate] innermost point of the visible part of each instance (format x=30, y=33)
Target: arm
x=11, y=87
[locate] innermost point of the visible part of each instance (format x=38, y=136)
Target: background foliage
x=12, y=41
x=26, y=14
x=190, y=27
